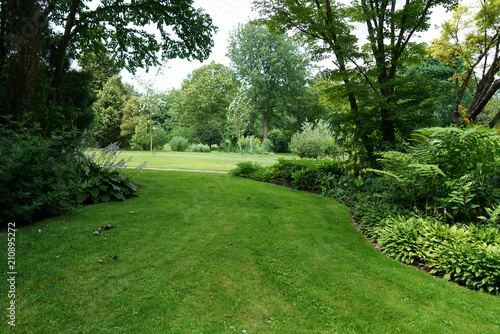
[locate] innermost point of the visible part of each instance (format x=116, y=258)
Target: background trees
x=472, y=36
x=109, y=112
x=203, y=99
x=274, y=69
x=367, y=76
x=39, y=38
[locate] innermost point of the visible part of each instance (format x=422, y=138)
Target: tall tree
x=109, y=112
x=204, y=98
x=238, y=112
x=472, y=35
x=273, y=67
x=367, y=75
x=72, y=26
x=100, y=66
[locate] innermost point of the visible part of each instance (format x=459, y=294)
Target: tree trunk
x=21, y=87
x=264, y=124
x=494, y=121
x=481, y=99
x=63, y=45
x=387, y=126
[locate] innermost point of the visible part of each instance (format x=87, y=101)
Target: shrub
x=40, y=176
x=142, y=138
x=400, y=238
x=198, y=148
x=179, y=144
x=371, y=214
x=313, y=141
x=267, y=146
x=450, y=168
x=279, y=140
x=246, y=169
x=187, y=132
x=209, y=134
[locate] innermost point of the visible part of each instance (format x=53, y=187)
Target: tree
x=109, y=112
x=204, y=98
x=148, y=105
x=472, y=35
x=367, y=76
x=272, y=66
x=62, y=29
x=100, y=66
x=238, y=112
x=130, y=118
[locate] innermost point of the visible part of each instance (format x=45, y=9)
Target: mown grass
x=211, y=253
x=215, y=160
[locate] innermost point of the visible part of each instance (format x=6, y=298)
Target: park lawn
x=212, y=253
x=215, y=160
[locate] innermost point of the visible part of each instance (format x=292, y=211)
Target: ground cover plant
x=449, y=181
x=211, y=253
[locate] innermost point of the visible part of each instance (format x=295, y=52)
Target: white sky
x=226, y=14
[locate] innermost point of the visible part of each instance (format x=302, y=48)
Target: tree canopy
x=366, y=75
x=136, y=33
x=204, y=96
x=272, y=66
x=472, y=36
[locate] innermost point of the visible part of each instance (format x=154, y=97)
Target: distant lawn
x=211, y=253
x=217, y=161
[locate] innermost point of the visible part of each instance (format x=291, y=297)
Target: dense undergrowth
x=437, y=204
x=43, y=177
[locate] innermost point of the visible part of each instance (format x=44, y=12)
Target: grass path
x=216, y=161
x=211, y=253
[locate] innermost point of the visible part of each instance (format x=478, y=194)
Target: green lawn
x=217, y=161
x=212, y=253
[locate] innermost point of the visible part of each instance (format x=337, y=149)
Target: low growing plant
x=198, y=148
x=246, y=169
x=106, y=179
x=467, y=255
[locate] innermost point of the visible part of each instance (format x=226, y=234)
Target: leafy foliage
x=205, y=96
x=367, y=78
x=40, y=176
x=198, y=148
x=145, y=137
x=274, y=69
x=466, y=255
x=249, y=143
x=51, y=34
x=315, y=140
x=267, y=146
x=303, y=174
x=472, y=34
x=447, y=168
x=246, y=169
x=238, y=113
x=179, y=144
x=279, y=140
x=109, y=112
x=106, y=179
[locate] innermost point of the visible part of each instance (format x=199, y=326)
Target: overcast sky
x=226, y=14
